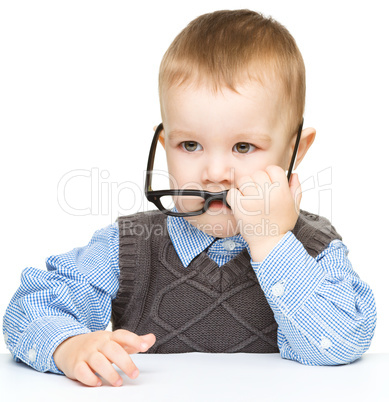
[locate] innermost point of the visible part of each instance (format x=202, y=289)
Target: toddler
x=234, y=265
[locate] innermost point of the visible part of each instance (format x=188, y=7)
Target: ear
x=307, y=137
x=161, y=137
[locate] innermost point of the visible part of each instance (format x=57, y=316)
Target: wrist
x=59, y=352
x=260, y=249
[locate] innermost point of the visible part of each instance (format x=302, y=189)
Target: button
x=32, y=355
x=278, y=289
x=229, y=245
x=325, y=343
x=5, y=337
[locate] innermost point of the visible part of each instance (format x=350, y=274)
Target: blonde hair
x=227, y=47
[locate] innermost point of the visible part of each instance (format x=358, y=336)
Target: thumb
x=296, y=191
x=231, y=197
x=149, y=339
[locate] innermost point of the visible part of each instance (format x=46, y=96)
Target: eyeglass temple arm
x=150, y=162
x=291, y=166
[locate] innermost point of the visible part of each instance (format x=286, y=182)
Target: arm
x=72, y=297
x=325, y=313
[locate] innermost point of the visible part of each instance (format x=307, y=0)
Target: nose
x=219, y=172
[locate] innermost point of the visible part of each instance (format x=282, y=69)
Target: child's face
x=212, y=140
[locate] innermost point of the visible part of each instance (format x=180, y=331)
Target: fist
x=265, y=205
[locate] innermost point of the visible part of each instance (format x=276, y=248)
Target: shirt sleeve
x=72, y=297
x=326, y=314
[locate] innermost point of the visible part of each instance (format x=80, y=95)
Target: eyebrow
x=177, y=134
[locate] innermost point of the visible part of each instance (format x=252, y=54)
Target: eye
x=244, y=147
x=191, y=146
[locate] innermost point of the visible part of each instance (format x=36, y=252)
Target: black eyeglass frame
x=154, y=196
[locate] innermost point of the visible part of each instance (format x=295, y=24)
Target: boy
x=232, y=93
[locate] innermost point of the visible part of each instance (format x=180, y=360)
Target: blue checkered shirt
x=326, y=315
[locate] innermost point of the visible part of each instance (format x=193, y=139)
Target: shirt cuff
x=40, y=340
x=288, y=275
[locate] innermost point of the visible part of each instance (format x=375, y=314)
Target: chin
x=217, y=225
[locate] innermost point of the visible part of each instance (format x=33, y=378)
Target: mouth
x=215, y=205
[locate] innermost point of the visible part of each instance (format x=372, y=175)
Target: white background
x=79, y=91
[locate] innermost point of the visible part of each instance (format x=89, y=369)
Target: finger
x=150, y=339
x=276, y=174
x=131, y=342
x=117, y=355
x=295, y=188
x=83, y=373
x=247, y=186
x=262, y=180
x=154, y=128
x=231, y=197
x=101, y=365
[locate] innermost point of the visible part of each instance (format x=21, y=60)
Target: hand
x=265, y=208
x=80, y=356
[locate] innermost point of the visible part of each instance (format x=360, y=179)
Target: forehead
x=253, y=109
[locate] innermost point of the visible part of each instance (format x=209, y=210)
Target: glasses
x=186, y=202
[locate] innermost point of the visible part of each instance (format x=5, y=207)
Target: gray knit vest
x=204, y=307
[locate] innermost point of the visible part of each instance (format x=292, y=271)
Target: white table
x=209, y=377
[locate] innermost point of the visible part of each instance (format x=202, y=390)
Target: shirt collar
x=189, y=241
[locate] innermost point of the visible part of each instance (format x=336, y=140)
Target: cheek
x=284, y=159
x=174, y=174
x=180, y=172
x=276, y=156
x=252, y=166
x=260, y=163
